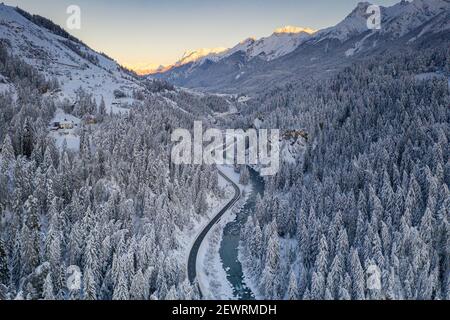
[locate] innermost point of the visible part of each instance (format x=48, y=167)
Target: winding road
x=192, y=262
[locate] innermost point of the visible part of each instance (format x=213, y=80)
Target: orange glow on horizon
x=189, y=56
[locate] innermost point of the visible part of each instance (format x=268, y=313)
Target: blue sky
x=136, y=32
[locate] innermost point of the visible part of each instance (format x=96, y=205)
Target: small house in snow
x=62, y=125
x=66, y=125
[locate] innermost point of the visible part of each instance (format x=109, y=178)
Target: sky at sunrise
x=149, y=33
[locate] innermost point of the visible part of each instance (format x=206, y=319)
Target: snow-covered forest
x=92, y=207
x=371, y=190
x=116, y=208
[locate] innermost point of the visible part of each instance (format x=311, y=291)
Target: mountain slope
x=58, y=55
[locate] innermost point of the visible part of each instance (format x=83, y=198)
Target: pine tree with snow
x=92, y=256
x=7, y=156
x=27, y=139
x=172, y=295
x=102, y=110
x=293, y=293
x=358, y=278
x=271, y=281
x=137, y=288
x=121, y=291
x=317, y=287
x=187, y=292
x=321, y=264
x=31, y=238
x=48, y=288
x=201, y=205
x=89, y=285
x=244, y=178
x=426, y=227
x=4, y=272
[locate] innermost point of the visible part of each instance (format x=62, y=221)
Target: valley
x=358, y=140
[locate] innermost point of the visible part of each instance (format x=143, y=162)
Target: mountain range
x=284, y=40
x=293, y=53
x=289, y=54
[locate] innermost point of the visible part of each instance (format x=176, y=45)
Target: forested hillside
x=372, y=190
x=116, y=209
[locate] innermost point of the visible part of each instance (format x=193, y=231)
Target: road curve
x=192, y=262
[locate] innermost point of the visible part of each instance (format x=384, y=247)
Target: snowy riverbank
x=212, y=276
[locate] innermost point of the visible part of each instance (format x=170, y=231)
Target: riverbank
x=212, y=276
x=230, y=246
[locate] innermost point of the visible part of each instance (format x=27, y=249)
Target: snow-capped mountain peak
x=292, y=29
x=361, y=10
x=396, y=21
x=195, y=55
x=283, y=41
x=190, y=56
x=406, y=16
x=354, y=23
x=278, y=44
